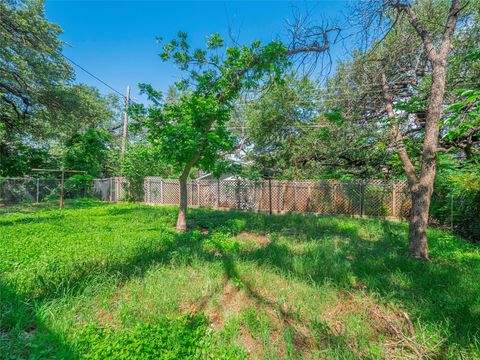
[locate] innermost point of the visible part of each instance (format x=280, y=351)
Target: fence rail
x=358, y=198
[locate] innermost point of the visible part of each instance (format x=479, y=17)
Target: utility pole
x=125, y=122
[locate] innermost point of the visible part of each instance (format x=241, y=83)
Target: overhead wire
x=75, y=64
x=308, y=96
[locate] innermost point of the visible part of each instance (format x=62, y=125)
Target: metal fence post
x=218, y=193
x=146, y=185
x=38, y=190
x=198, y=194
x=161, y=191
x=270, y=195
x=362, y=199
x=394, y=200
x=294, y=196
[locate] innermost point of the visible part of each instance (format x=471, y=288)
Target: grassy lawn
x=116, y=281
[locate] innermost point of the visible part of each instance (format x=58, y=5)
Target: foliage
x=191, y=130
x=295, y=129
x=95, y=276
x=88, y=152
x=31, y=55
x=21, y=157
x=178, y=131
x=143, y=159
x=40, y=107
x=166, y=339
x=462, y=126
x=456, y=200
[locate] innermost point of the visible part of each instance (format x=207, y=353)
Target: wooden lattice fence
x=376, y=198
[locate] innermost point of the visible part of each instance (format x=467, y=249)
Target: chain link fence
x=37, y=190
x=457, y=212
x=374, y=198
x=367, y=198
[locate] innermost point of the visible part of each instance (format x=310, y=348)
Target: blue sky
x=116, y=40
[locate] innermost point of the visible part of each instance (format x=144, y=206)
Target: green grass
x=116, y=281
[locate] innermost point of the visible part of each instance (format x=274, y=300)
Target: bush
x=456, y=201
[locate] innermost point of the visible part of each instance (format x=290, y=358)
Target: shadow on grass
x=51, y=209
x=23, y=335
x=341, y=252
x=337, y=251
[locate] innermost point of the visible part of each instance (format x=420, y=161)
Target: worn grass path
x=100, y=280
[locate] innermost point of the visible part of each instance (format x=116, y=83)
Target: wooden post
x=125, y=123
x=62, y=180
x=270, y=194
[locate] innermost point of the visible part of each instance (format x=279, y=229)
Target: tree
x=192, y=132
x=88, y=152
x=31, y=64
x=435, y=46
x=143, y=159
x=40, y=106
x=302, y=131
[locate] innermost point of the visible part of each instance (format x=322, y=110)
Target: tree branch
x=419, y=28
x=455, y=9
x=397, y=138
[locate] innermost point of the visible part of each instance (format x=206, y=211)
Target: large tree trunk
x=422, y=191
x=182, y=212
x=421, y=185
x=418, y=242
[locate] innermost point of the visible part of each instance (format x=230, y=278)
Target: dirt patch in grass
x=251, y=240
x=230, y=304
x=390, y=328
x=355, y=322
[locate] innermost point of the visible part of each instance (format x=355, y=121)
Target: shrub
x=456, y=202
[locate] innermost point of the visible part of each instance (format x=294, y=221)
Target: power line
x=315, y=94
x=74, y=63
x=368, y=89
x=313, y=98
x=94, y=76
